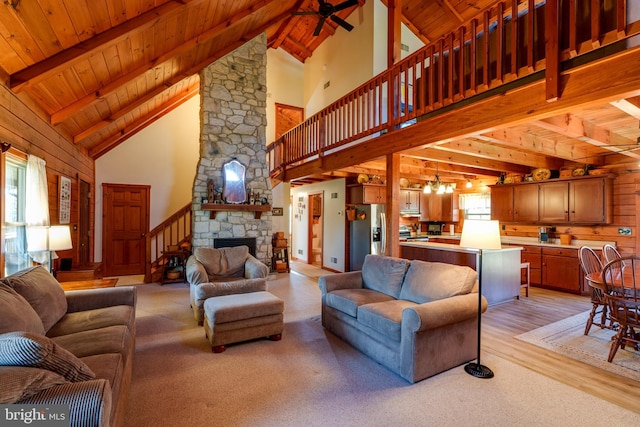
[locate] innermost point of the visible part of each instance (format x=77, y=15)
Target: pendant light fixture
x=438, y=186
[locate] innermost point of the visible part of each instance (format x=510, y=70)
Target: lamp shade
x=481, y=234
x=59, y=238
x=37, y=238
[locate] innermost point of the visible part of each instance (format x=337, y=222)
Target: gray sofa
x=70, y=348
x=215, y=272
x=416, y=318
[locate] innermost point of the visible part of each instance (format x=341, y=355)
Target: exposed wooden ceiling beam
x=525, y=139
x=108, y=88
x=489, y=148
x=572, y=126
x=478, y=165
x=61, y=61
x=631, y=106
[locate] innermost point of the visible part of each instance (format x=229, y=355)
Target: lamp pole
x=479, y=234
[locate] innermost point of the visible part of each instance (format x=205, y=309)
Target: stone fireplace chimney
x=233, y=117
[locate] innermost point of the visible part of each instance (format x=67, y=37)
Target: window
x=14, y=227
x=476, y=205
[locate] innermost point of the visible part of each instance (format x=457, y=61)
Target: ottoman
x=241, y=317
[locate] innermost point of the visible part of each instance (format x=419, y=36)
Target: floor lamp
x=479, y=234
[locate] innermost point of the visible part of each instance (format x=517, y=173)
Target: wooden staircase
x=175, y=231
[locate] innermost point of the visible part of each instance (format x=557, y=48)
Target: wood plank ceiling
x=102, y=70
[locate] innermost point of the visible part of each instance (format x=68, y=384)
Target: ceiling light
x=438, y=186
x=469, y=184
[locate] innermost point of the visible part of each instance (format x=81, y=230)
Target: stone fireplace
x=232, y=120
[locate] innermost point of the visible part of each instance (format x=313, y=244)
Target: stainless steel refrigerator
x=368, y=235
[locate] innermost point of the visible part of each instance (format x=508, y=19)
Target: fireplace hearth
x=236, y=241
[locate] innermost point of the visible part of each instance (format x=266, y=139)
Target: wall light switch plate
x=624, y=231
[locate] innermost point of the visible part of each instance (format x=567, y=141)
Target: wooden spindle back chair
x=591, y=263
x=622, y=284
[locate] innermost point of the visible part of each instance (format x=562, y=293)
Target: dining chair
x=622, y=283
x=610, y=252
x=591, y=263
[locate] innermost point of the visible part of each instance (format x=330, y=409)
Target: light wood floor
x=502, y=322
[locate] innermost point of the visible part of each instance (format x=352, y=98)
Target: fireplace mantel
x=228, y=207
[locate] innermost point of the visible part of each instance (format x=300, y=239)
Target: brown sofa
x=67, y=348
x=215, y=272
x=416, y=318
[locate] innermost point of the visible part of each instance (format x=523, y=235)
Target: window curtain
x=36, y=203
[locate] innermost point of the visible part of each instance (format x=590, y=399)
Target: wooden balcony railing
x=174, y=231
x=502, y=45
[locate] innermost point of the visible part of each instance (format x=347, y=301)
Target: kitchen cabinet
x=580, y=201
x=410, y=200
x=514, y=203
x=585, y=200
x=561, y=269
x=368, y=194
x=439, y=207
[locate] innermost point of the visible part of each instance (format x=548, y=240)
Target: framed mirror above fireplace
x=233, y=190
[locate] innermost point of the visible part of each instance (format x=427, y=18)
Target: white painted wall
x=285, y=83
x=164, y=156
x=333, y=224
x=345, y=61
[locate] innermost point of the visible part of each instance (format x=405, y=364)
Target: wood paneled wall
x=30, y=133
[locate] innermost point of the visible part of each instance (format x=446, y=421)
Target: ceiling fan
x=327, y=10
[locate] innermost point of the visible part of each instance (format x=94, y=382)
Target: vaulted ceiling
x=102, y=70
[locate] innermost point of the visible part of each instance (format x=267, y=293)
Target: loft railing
x=503, y=44
x=174, y=231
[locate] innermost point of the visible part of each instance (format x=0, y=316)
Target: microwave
x=434, y=228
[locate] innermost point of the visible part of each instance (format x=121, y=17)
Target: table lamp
x=480, y=234
x=49, y=239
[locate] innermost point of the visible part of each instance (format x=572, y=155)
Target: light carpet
x=312, y=378
x=567, y=338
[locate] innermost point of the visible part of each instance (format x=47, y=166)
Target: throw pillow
x=38, y=351
x=16, y=314
x=223, y=262
x=384, y=274
x=43, y=292
x=20, y=383
x=430, y=281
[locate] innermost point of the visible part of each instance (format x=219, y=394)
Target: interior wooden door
x=287, y=117
x=125, y=224
x=84, y=231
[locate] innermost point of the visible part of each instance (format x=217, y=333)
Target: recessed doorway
x=315, y=230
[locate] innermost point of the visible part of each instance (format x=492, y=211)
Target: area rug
x=566, y=337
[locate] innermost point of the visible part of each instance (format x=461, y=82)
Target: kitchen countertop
x=454, y=247
x=528, y=241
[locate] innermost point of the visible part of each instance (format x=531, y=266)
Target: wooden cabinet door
x=425, y=208
x=410, y=200
x=525, y=203
x=368, y=194
x=554, y=202
x=561, y=269
x=446, y=203
x=414, y=200
x=502, y=203
x=587, y=201
x=561, y=272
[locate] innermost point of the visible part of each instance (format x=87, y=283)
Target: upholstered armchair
x=213, y=272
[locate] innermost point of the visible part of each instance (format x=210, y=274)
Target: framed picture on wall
x=64, y=195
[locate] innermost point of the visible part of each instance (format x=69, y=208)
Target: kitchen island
x=500, y=268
